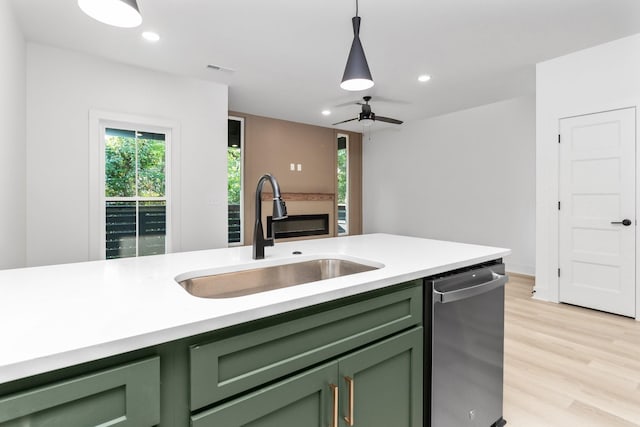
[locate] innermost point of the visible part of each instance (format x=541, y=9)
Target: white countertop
x=58, y=316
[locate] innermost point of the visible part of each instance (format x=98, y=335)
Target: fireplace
x=311, y=216
x=298, y=226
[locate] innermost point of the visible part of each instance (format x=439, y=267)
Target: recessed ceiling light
x=119, y=13
x=326, y=112
x=424, y=78
x=150, y=36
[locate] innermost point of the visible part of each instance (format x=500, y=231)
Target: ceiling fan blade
x=391, y=100
x=344, y=121
x=346, y=104
x=388, y=120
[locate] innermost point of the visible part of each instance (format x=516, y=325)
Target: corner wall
x=62, y=87
x=12, y=143
x=467, y=176
x=605, y=77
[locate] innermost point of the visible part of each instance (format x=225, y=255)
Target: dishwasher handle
x=497, y=281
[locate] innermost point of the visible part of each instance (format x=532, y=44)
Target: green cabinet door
x=384, y=381
x=123, y=396
x=302, y=400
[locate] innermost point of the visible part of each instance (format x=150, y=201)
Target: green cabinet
x=377, y=386
x=227, y=367
x=285, y=370
x=125, y=396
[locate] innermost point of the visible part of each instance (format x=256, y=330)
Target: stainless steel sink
x=247, y=282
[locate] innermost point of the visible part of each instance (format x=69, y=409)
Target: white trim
x=242, y=185
x=98, y=121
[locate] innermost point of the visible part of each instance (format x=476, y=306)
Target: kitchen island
x=73, y=324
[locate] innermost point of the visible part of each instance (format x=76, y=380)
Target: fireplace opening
x=298, y=226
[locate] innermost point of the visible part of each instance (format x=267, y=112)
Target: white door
x=597, y=194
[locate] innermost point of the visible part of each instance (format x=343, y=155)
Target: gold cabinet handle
x=334, y=392
x=349, y=418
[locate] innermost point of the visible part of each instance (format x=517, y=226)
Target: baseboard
x=521, y=275
x=525, y=270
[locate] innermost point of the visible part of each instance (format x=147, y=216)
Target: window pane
x=152, y=227
x=120, y=163
x=234, y=180
x=121, y=226
x=343, y=226
x=120, y=132
x=135, y=164
x=151, y=165
x=121, y=229
x=233, y=192
x=234, y=223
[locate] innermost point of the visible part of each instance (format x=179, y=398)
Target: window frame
x=242, y=184
x=99, y=122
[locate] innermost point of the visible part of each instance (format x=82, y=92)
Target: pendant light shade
x=356, y=74
x=119, y=13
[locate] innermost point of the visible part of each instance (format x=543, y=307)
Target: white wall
x=601, y=78
x=466, y=176
x=12, y=143
x=62, y=87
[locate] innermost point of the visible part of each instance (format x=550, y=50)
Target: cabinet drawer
x=125, y=396
x=224, y=368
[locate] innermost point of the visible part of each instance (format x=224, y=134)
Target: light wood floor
x=568, y=366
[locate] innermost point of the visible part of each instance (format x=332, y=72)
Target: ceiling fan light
x=356, y=73
x=366, y=122
x=119, y=13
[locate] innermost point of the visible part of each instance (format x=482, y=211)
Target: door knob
x=625, y=222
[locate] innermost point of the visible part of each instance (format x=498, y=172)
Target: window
x=235, y=148
x=135, y=196
x=343, y=185
x=134, y=177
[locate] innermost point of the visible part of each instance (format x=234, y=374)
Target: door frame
x=547, y=285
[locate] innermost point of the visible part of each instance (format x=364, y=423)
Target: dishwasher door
x=468, y=348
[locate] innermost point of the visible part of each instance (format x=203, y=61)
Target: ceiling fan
x=367, y=117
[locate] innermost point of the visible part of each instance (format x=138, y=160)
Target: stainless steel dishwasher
x=464, y=382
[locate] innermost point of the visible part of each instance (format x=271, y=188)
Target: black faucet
x=279, y=212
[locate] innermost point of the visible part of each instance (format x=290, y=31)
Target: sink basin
x=247, y=282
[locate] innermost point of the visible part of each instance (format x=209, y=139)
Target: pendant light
x=356, y=74
x=119, y=13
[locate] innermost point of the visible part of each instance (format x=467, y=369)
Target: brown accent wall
x=271, y=145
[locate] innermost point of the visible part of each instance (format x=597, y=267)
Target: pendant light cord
x=356, y=7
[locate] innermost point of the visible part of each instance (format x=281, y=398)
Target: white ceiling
x=289, y=55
